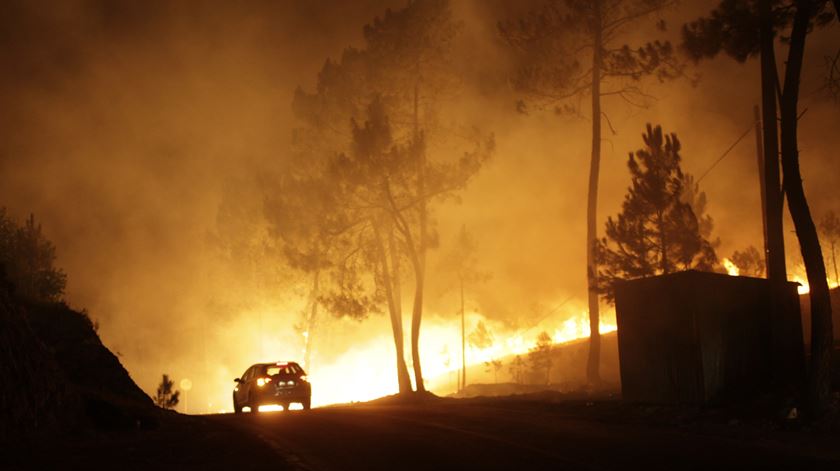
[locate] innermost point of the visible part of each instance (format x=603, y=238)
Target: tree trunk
x=403, y=380
x=311, y=321
x=775, y=255
x=663, y=244
x=463, y=340
x=594, y=360
x=819, y=382
x=416, y=315
x=420, y=267
x=396, y=295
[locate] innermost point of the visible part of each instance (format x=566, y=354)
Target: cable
x=727, y=152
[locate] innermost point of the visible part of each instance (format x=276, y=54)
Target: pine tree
x=28, y=258
x=540, y=357
x=568, y=49
x=656, y=231
x=166, y=397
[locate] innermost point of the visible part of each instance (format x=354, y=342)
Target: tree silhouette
x=743, y=29
x=462, y=261
x=406, y=65
x=540, y=357
x=301, y=211
x=167, y=397
x=749, y=261
x=568, y=49
x=29, y=260
x=494, y=365
x=656, y=231
x=517, y=369
x=378, y=195
x=481, y=338
x=830, y=227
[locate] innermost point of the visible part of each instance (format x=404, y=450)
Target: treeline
x=27, y=260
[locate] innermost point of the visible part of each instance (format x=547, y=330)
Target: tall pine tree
x=656, y=231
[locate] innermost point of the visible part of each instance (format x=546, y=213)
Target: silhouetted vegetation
x=830, y=228
x=167, y=397
x=540, y=358
x=743, y=30
x=494, y=365
x=29, y=260
x=380, y=183
x=656, y=232
x=517, y=369
x=750, y=262
x=463, y=262
x=568, y=49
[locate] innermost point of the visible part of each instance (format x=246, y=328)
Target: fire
x=731, y=268
x=804, y=287
x=578, y=328
x=366, y=369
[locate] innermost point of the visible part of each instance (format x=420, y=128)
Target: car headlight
x=263, y=381
x=291, y=383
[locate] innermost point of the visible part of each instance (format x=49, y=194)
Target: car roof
x=278, y=363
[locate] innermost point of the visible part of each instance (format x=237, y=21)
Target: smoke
x=136, y=133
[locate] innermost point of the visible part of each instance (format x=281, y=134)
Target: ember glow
x=731, y=268
x=366, y=370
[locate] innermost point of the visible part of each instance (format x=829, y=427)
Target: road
x=508, y=435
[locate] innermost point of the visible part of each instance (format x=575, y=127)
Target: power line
x=750, y=128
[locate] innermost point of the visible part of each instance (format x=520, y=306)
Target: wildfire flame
x=367, y=370
x=731, y=268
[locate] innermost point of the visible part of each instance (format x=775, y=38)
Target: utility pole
x=760, y=155
x=463, y=341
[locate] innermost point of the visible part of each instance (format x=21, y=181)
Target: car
x=280, y=383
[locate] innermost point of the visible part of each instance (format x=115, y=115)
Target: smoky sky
x=132, y=128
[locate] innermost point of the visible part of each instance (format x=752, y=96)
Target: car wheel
x=307, y=403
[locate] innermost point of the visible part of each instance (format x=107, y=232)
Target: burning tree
x=569, y=49
x=167, y=397
x=656, y=231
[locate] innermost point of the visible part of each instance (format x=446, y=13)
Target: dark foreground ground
x=527, y=432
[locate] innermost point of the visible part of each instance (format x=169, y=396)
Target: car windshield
x=290, y=370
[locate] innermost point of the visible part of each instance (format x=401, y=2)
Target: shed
x=696, y=337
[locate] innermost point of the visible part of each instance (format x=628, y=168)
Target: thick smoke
x=137, y=133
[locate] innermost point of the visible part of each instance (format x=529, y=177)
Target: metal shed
x=695, y=337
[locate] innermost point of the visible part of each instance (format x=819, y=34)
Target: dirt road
x=514, y=435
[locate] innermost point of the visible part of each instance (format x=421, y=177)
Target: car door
x=244, y=384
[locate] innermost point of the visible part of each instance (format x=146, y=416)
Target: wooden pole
x=760, y=155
